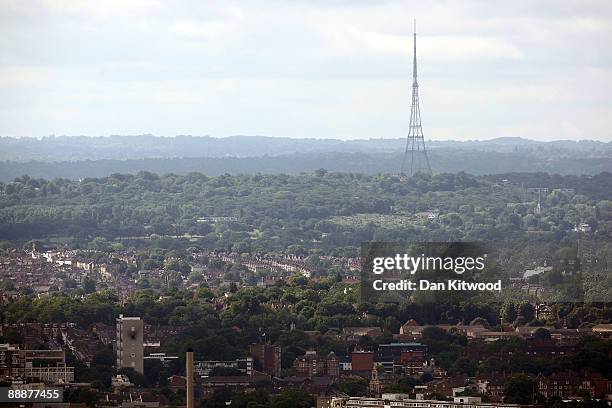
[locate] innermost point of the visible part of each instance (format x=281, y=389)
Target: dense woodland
x=322, y=211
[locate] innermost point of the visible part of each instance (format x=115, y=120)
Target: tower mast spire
x=415, y=153
x=414, y=61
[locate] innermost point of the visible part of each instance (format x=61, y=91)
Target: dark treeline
x=443, y=160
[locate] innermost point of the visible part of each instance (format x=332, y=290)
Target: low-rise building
x=205, y=368
x=47, y=366
x=403, y=401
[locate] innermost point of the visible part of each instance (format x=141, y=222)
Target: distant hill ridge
x=77, y=148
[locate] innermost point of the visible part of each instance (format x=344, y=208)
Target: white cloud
x=103, y=12
x=303, y=68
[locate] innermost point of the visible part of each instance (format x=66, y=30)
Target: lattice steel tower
x=415, y=157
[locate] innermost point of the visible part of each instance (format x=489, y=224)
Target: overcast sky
x=324, y=69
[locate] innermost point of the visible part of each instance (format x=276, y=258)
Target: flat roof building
x=130, y=343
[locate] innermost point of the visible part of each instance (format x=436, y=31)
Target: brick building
x=313, y=365
x=267, y=357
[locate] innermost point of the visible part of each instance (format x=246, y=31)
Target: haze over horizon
x=320, y=69
x=503, y=139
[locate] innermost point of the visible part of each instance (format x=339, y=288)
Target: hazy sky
x=342, y=69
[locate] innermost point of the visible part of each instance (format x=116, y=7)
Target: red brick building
x=362, y=360
x=268, y=356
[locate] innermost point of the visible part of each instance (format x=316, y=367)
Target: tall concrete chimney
x=189, y=370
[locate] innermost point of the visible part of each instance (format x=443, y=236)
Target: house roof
x=602, y=328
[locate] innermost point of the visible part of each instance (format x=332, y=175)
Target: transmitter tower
x=415, y=156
